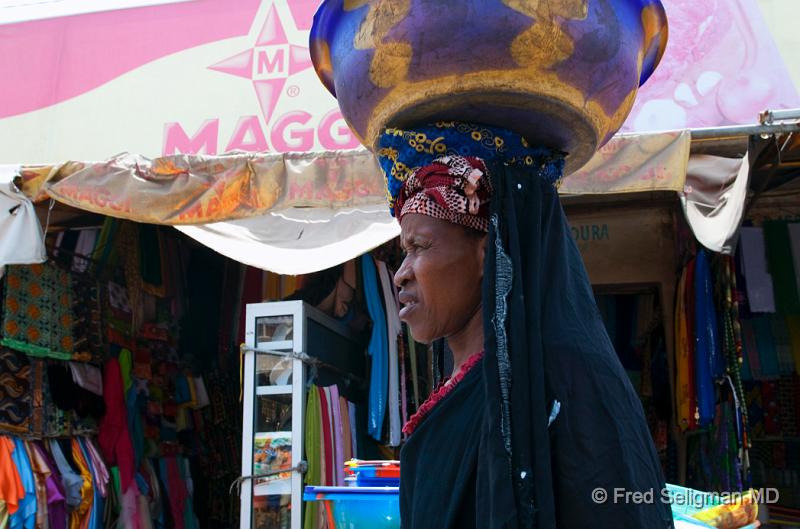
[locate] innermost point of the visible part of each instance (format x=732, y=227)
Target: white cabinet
x=284, y=345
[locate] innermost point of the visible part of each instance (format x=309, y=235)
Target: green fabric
x=34, y=350
x=3, y=515
x=37, y=311
x=117, y=484
x=125, y=366
x=781, y=267
x=313, y=443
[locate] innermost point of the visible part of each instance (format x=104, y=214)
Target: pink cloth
x=101, y=475
x=338, y=437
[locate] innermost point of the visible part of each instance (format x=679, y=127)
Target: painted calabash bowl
x=563, y=73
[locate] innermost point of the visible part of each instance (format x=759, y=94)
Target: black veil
x=561, y=416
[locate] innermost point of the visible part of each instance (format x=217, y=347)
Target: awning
x=303, y=212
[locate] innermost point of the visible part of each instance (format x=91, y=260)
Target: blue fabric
x=25, y=517
x=708, y=357
x=400, y=152
x=134, y=402
x=378, y=348
x=71, y=481
x=98, y=502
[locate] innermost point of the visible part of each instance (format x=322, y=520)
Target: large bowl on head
x=563, y=73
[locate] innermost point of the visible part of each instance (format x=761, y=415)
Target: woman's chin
x=419, y=335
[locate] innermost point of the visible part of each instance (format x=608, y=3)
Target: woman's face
x=440, y=278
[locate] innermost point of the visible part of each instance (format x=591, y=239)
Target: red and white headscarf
x=452, y=188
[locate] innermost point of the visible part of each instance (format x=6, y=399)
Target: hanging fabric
x=37, y=311
x=378, y=349
x=114, y=437
x=337, y=435
x=684, y=385
x=708, y=366
x=12, y=492
x=16, y=391
x=312, y=444
x=70, y=480
x=25, y=517
x=393, y=329
x=80, y=517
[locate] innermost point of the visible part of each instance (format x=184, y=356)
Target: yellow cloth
x=3, y=515
x=682, y=379
x=79, y=518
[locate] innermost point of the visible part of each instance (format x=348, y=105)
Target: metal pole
x=744, y=130
x=771, y=116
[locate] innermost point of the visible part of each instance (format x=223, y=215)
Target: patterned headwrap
x=440, y=170
x=451, y=188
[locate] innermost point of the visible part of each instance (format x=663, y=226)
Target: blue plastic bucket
x=358, y=507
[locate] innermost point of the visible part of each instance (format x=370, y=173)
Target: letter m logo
x=271, y=62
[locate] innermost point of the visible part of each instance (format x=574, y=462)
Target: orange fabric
x=11, y=490
x=79, y=518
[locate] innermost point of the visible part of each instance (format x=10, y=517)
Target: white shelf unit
x=296, y=328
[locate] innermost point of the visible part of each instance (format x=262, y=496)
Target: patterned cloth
x=402, y=152
x=37, y=311
x=451, y=188
x=15, y=391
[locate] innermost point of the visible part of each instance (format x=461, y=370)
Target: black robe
x=487, y=456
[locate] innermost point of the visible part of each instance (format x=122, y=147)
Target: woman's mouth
x=408, y=302
x=407, y=308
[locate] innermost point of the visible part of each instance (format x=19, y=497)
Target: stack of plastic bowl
x=371, y=498
x=372, y=473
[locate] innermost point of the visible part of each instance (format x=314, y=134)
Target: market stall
x=291, y=195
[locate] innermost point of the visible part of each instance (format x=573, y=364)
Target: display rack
x=287, y=343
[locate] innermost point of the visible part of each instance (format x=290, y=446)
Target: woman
x=539, y=414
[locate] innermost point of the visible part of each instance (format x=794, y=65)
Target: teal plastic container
x=358, y=507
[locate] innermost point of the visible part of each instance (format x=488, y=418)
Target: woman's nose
x=403, y=273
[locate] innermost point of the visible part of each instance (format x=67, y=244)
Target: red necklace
x=442, y=390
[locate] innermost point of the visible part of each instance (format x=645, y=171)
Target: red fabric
x=440, y=393
x=327, y=436
x=113, y=435
x=11, y=489
x=452, y=188
x=176, y=492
